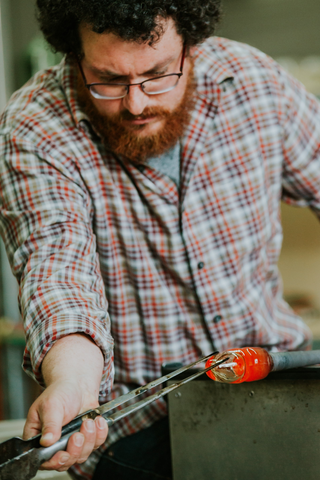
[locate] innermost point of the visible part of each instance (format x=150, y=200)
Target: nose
x=136, y=100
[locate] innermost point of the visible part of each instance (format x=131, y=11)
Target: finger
x=101, y=431
x=79, y=446
x=59, y=461
x=88, y=429
x=65, y=459
x=51, y=417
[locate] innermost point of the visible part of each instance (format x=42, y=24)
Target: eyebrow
x=109, y=73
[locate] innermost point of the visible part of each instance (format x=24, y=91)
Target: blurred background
x=288, y=30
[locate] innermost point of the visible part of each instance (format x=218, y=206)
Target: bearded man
x=141, y=182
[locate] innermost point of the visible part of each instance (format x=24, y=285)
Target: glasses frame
x=128, y=85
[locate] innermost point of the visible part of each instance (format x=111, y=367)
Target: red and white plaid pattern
x=101, y=247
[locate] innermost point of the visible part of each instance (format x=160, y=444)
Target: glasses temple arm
x=183, y=56
x=81, y=71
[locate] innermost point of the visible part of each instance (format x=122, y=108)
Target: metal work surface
x=261, y=430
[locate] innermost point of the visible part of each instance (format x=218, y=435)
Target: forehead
x=107, y=50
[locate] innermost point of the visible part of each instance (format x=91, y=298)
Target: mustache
x=147, y=113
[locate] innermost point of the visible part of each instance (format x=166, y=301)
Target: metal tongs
x=21, y=459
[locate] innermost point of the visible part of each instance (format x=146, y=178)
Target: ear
x=192, y=50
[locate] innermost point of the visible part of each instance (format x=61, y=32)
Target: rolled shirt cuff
x=44, y=336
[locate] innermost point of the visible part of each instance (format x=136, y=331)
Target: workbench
x=269, y=429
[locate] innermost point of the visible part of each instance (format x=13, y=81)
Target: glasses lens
x=160, y=85
x=153, y=86
x=108, y=92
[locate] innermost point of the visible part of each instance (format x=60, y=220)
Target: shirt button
x=217, y=318
x=200, y=265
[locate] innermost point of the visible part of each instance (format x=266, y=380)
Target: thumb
x=51, y=415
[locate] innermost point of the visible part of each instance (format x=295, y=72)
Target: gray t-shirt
x=168, y=163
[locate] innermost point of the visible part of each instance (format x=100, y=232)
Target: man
x=140, y=189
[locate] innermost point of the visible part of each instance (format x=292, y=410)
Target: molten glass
x=243, y=365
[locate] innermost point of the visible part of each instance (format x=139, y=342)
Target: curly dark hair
x=131, y=20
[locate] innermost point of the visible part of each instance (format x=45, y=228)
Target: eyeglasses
x=152, y=86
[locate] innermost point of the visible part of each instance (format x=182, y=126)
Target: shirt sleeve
x=46, y=225
x=300, y=119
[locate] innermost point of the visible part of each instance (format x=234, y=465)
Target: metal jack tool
x=21, y=459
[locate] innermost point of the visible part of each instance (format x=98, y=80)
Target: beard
x=126, y=141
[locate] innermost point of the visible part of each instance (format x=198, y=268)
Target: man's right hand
x=72, y=389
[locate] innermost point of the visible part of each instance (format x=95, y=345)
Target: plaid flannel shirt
x=102, y=247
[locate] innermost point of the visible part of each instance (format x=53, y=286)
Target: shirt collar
x=68, y=77
x=211, y=67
